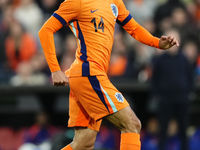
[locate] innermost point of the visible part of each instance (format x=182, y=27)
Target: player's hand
x=167, y=42
x=59, y=78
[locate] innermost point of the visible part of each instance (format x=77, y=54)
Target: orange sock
x=130, y=141
x=68, y=147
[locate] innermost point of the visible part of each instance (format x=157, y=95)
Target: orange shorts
x=91, y=99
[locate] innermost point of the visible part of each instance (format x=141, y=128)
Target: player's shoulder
x=117, y=2
x=70, y=0
x=66, y=2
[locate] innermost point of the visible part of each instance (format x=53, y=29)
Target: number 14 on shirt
x=100, y=25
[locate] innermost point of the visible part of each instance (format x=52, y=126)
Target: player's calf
x=129, y=125
x=126, y=121
x=84, y=139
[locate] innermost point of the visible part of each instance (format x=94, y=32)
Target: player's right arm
x=67, y=11
x=47, y=41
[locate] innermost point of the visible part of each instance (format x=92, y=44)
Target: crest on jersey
x=119, y=97
x=114, y=10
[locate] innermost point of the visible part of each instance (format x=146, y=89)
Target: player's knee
x=82, y=146
x=132, y=126
x=135, y=125
x=89, y=147
x=138, y=125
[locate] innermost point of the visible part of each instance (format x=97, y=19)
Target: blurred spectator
x=139, y=55
x=194, y=10
x=163, y=13
x=10, y=139
x=141, y=10
x=172, y=83
x=2, y=58
x=6, y=137
x=143, y=57
x=149, y=25
x=68, y=57
x=26, y=75
x=30, y=146
x=39, y=135
x=31, y=73
x=41, y=131
x=20, y=45
x=60, y=140
x=179, y=17
x=198, y=67
x=173, y=140
x=118, y=61
x=150, y=139
x=180, y=21
x=166, y=9
x=48, y=7
x=190, y=50
x=195, y=140
x=2, y=49
x=39, y=64
x=30, y=16
x=106, y=139
x=197, y=11
x=6, y=11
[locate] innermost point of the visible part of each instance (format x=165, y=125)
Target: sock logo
x=119, y=97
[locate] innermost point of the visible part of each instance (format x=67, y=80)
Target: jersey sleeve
x=141, y=34
x=133, y=28
x=68, y=11
x=47, y=41
x=123, y=14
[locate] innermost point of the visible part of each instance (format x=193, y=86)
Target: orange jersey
x=92, y=22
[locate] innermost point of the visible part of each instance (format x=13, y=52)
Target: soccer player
x=92, y=96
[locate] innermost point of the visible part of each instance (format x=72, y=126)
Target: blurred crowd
x=21, y=57
x=22, y=62
x=44, y=136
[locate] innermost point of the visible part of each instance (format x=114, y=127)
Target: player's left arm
x=139, y=33
x=143, y=36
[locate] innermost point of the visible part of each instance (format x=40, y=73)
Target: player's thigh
x=125, y=120
x=84, y=138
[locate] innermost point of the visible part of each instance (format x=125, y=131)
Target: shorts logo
x=114, y=10
x=119, y=97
